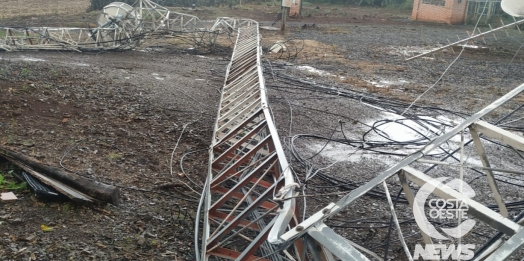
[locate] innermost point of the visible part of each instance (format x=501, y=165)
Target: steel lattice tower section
x=120, y=27
x=248, y=168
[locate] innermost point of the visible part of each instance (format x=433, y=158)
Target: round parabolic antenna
x=116, y=10
x=513, y=7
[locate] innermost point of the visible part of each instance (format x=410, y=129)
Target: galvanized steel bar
x=495, y=132
x=476, y=209
x=466, y=39
x=489, y=174
x=514, y=243
x=335, y=243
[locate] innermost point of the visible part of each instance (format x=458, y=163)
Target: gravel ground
x=367, y=53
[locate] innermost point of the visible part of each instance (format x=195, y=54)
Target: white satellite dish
x=513, y=7
x=116, y=10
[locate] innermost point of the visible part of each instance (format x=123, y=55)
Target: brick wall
x=452, y=12
x=294, y=10
x=458, y=12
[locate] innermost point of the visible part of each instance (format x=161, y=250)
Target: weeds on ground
x=10, y=185
x=25, y=72
x=115, y=156
x=68, y=206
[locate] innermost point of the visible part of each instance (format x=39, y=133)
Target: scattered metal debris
x=278, y=47
x=39, y=188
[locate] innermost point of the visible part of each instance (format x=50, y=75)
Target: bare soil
x=114, y=118
x=32, y=8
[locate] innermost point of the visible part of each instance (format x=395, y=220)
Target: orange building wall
x=458, y=12
x=294, y=10
x=452, y=13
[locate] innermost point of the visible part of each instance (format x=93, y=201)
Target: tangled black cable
x=412, y=120
x=376, y=146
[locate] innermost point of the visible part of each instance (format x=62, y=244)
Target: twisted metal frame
x=72, y=39
x=147, y=19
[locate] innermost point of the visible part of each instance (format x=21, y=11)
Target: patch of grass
x=25, y=72
x=304, y=3
x=407, y=5
x=245, y=8
x=115, y=156
x=11, y=139
x=154, y=243
x=10, y=185
x=129, y=240
x=28, y=143
x=68, y=206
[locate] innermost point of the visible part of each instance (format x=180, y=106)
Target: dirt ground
x=114, y=118
x=33, y=9
x=130, y=119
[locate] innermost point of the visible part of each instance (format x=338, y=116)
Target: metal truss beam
x=231, y=24
x=247, y=164
x=71, y=39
